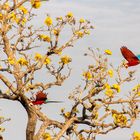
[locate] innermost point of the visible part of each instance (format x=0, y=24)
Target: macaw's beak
x=47, y=101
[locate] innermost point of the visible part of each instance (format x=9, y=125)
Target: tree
x=97, y=107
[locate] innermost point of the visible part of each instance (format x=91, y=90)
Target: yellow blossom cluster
x=45, y=38
x=69, y=15
x=109, y=89
x=38, y=57
x=136, y=89
x=67, y=114
x=14, y=18
x=65, y=59
x=22, y=61
x=6, y=6
x=81, y=137
x=48, y=21
x=56, y=32
x=2, y=129
x=11, y=61
x=110, y=73
x=119, y=119
x=23, y=9
x=46, y=136
x=116, y=87
x=108, y=52
x=87, y=75
x=58, y=51
x=36, y=3
x=82, y=20
x=79, y=34
x=1, y=16
x=47, y=61
x=87, y=32
x=136, y=135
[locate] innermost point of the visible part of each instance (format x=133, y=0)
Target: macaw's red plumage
x=132, y=59
x=41, y=98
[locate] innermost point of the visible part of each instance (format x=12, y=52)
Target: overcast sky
x=117, y=23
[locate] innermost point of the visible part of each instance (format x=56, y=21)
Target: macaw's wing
x=128, y=55
x=41, y=96
x=138, y=56
x=39, y=102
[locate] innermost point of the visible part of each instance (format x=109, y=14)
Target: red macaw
x=132, y=59
x=41, y=98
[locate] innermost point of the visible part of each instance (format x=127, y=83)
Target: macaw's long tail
x=138, y=56
x=53, y=101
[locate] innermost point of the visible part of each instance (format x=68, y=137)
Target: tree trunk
x=31, y=125
x=32, y=118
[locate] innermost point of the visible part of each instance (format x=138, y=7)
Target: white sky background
x=117, y=23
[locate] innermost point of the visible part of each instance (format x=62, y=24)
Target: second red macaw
x=132, y=59
x=41, y=98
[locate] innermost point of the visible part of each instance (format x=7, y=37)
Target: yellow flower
x=75, y=110
x=48, y=21
x=59, y=18
x=12, y=16
x=11, y=61
x=136, y=89
x=56, y=32
x=47, y=61
x=119, y=119
x=81, y=137
x=17, y=20
x=58, y=51
x=82, y=20
x=107, y=86
x=2, y=129
x=136, y=135
x=109, y=92
x=108, y=52
x=23, y=9
x=87, y=75
x=1, y=16
x=38, y=57
x=67, y=114
x=110, y=73
x=80, y=34
x=116, y=87
x=35, y=3
x=22, y=61
x=6, y=6
x=87, y=32
x=65, y=59
x=23, y=21
x=46, y=136
x=45, y=38
x=69, y=14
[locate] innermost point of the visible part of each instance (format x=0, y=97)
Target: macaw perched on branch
x=41, y=98
x=132, y=59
